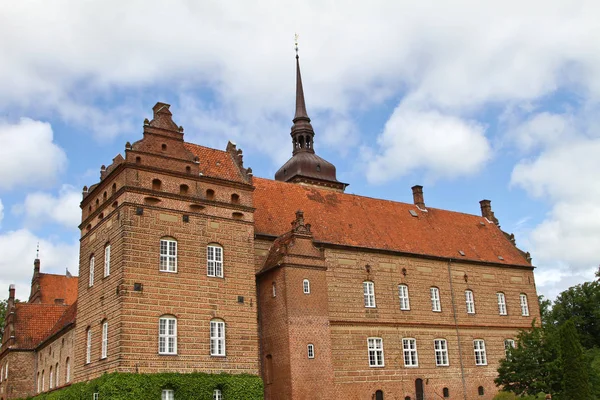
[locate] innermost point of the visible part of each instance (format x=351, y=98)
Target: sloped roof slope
x=54, y=287
x=34, y=323
x=216, y=163
x=346, y=219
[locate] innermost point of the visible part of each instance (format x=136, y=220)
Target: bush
x=195, y=386
x=512, y=396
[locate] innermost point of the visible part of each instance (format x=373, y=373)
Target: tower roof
x=305, y=166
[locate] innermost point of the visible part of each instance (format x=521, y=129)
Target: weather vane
x=296, y=43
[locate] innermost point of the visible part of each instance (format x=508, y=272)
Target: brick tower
x=166, y=260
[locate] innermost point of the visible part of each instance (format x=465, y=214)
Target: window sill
x=438, y=311
x=168, y=354
x=411, y=366
x=376, y=366
x=218, y=355
x=169, y=272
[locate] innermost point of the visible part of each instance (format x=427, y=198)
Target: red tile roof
x=216, y=163
x=68, y=318
x=352, y=220
x=54, y=287
x=34, y=322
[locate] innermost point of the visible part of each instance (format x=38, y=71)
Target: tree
x=581, y=305
x=574, y=366
x=3, y=304
x=532, y=367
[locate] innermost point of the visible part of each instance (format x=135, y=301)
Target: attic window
x=500, y=258
x=413, y=213
x=318, y=168
x=462, y=253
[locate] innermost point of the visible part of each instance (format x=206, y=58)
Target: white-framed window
x=217, y=337
x=274, y=289
x=88, y=347
x=68, y=371
x=168, y=255
x=369, y=294
x=524, y=305
x=409, y=347
x=214, y=260
x=306, y=286
x=469, y=300
x=167, y=335
x=311, y=351
x=375, y=346
x=501, y=303
x=50, y=381
x=104, y=339
x=56, y=372
x=92, y=268
x=96, y=396
x=403, y=296
x=508, y=344
x=436, y=304
x=441, y=352
x=107, y=260
x=168, y=394
x=479, y=347
x=217, y=395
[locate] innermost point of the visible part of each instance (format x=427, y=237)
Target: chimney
x=418, y=196
x=486, y=211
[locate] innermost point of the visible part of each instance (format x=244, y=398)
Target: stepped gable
x=352, y=220
x=56, y=287
x=216, y=163
x=34, y=322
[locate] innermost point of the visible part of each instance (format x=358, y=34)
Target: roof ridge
x=204, y=147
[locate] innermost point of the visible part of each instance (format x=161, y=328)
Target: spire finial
x=296, y=43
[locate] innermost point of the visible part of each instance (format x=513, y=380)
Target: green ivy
x=195, y=386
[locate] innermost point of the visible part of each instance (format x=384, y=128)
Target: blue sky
x=473, y=100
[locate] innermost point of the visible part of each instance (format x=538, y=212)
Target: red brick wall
x=55, y=352
x=20, y=372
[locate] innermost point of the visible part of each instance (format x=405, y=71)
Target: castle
x=190, y=263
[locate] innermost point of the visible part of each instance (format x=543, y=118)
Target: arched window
x=168, y=394
x=167, y=335
x=168, y=255
x=107, y=260
x=446, y=392
x=92, y=268
x=114, y=188
x=104, y=339
x=470, y=301
x=274, y=289
x=50, y=379
x=524, y=305
x=369, y=294
x=217, y=395
x=501, y=303
x=306, y=286
x=217, y=337
x=508, y=345
x=104, y=196
x=68, y=370
x=375, y=347
x=38, y=383
x=56, y=372
x=379, y=395
x=480, y=390
x=214, y=260
x=156, y=184
x=235, y=198
x=138, y=160
x=210, y=194
x=480, y=355
x=403, y=296
x=183, y=189
x=43, y=380
x=436, y=303
x=269, y=369
x=88, y=347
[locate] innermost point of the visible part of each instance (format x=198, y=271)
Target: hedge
x=194, y=386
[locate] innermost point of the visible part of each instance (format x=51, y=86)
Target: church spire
x=302, y=131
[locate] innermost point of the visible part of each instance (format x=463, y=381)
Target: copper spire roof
x=305, y=166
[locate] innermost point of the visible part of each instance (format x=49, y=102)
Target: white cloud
x=40, y=207
x=18, y=249
x=28, y=155
x=443, y=146
x=1, y=212
x=565, y=174
x=542, y=130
